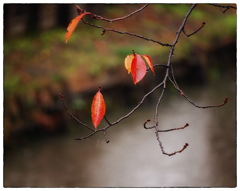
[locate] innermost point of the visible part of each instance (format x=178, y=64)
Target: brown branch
x=128, y=33
x=61, y=96
x=79, y=10
x=157, y=65
x=118, y=19
x=184, y=147
x=181, y=93
x=169, y=154
x=179, y=32
x=160, y=143
x=144, y=125
x=107, y=121
x=188, y=35
x=222, y=7
x=175, y=82
x=86, y=136
x=203, y=107
x=156, y=112
x=174, y=128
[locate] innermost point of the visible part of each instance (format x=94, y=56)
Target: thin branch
x=174, y=128
x=222, y=7
x=179, y=32
x=118, y=19
x=128, y=33
x=144, y=125
x=188, y=35
x=79, y=10
x=160, y=143
x=107, y=120
x=86, y=136
x=61, y=96
x=204, y=107
x=156, y=112
x=224, y=10
x=175, y=82
x=157, y=65
x=169, y=154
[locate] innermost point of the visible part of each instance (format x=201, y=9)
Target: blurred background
x=39, y=145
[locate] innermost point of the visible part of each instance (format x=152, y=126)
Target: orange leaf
x=98, y=108
x=72, y=25
x=149, y=62
x=128, y=62
x=138, y=68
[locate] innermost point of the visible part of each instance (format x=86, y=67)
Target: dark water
x=133, y=157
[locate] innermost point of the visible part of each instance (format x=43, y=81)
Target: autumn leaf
x=138, y=68
x=128, y=62
x=98, y=108
x=135, y=64
x=73, y=24
x=149, y=62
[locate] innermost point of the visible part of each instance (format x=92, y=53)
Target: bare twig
x=91, y=134
x=203, y=107
x=174, y=128
x=144, y=125
x=107, y=121
x=188, y=35
x=174, y=81
x=79, y=10
x=222, y=7
x=61, y=96
x=118, y=19
x=157, y=65
x=209, y=106
x=128, y=33
x=169, y=154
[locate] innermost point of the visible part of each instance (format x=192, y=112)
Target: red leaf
x=149, y=62
x=73, y=24
x=98, y=108
x=138, y=68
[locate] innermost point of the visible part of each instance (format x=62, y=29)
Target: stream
x=133, y=157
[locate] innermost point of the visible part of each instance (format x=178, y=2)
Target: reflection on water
x=133, y=157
